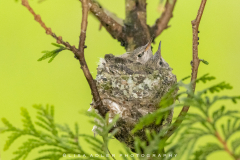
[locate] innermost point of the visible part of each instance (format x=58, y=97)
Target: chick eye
x=140, y=55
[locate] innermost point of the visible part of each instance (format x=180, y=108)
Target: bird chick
x=141, y=54
x=157, y=61
x=109, y=57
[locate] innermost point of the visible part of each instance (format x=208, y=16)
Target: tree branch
x=112, y=26
x=162, y=22
x=195, y=64
x=79, y=53
x=137, y=31
x=98, y=102
x=109, y=13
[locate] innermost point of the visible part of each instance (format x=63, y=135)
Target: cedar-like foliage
x=56, y=141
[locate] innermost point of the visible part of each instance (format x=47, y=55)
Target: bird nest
x=132, y=86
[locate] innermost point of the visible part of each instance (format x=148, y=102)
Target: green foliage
x=188, y=134
x=205, y=78
x=52, y=54
x=205, y=62
x=206, y=150
x=54, y=140
x=60, y=139
x=152, y=146
x=207, y=123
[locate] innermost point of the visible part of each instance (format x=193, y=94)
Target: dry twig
x=48, y=30
x=195, y=64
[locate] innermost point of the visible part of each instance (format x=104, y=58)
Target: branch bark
x=134, y=32
x=79, y=53
x=195, y=64
x=162, y=22
x=109, y=13
x=136, y=24
x=112, y=26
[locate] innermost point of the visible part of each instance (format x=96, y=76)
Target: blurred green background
x=24, y=81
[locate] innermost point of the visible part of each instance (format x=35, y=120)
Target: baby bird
x=157, y=61
x=141, y=54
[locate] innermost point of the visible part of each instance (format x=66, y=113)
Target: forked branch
x=134, y=32
x=195, y=64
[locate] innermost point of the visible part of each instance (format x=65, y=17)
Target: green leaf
x=216, y=88
x=11, y=139
x=192, y=118
x=185, y=78
x=235, y=144
x=220, y=113
x=205, y=62
x=50, y=54
x=58, y=45
x=205, y=78
x=231, y=127
x=204, y=151
x=27, y=122
x=9, y=126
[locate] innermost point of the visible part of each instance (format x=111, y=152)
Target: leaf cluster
x=52, y=54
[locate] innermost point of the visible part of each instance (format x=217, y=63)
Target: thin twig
x=195, y=64
x=48, y=30
x=224, y=143
x=162, y=22
x=98, y=102
x=221, y=140
x=79, y=53
x=110, y=154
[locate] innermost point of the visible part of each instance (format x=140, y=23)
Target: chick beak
x=159, y=49
x=148, y=45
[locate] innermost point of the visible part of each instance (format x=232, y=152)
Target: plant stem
x=224, y=143
x=195, y=64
